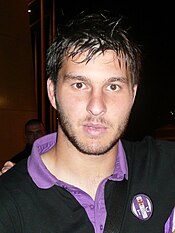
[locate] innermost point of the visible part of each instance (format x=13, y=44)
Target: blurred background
x=27, y=27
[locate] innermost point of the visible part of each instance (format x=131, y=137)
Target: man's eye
x=113, y=87
x=79, y=85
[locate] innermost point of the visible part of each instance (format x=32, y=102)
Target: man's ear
x=51, y=92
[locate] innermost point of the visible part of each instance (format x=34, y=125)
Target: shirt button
x=77, y=192
x=101, y=227
x=92, y=206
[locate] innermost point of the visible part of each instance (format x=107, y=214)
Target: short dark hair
x=33, y=121
x=93, y=33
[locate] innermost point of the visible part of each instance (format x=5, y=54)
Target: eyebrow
x=120, y=79
x=83, y=78
x=74, y=77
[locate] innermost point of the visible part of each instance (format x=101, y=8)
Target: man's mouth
x=94, y=129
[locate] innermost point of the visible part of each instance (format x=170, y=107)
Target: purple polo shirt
x=95, y=209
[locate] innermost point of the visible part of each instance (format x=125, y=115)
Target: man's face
x=34, y=132
x=94, y=101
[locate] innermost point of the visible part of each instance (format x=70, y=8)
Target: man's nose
x=96, y=104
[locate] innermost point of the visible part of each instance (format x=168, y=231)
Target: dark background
x=152, y=25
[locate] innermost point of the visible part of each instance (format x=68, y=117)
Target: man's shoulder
x=150, y=146
x=153, y=157
x=148, y=140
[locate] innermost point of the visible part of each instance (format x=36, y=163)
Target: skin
x=94, y=101
x=7, y=165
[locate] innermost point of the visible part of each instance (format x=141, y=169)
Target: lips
x=94, y=129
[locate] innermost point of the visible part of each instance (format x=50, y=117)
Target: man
x=85, y=178
x=33, y=129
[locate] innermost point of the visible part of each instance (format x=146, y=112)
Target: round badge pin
x=142, y=207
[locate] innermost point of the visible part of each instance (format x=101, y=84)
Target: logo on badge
x=142, y=207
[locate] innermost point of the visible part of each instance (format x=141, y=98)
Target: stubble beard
x=68, y=131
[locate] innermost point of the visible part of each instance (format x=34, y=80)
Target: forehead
x=103, y=63
x=34, y=127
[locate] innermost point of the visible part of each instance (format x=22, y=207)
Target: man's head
x=93, y=33
x=34, y=129
x=93, y=71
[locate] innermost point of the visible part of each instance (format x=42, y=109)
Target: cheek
x=122, y=106
x=72, y=105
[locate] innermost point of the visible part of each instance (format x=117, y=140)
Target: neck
x=84, y=171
